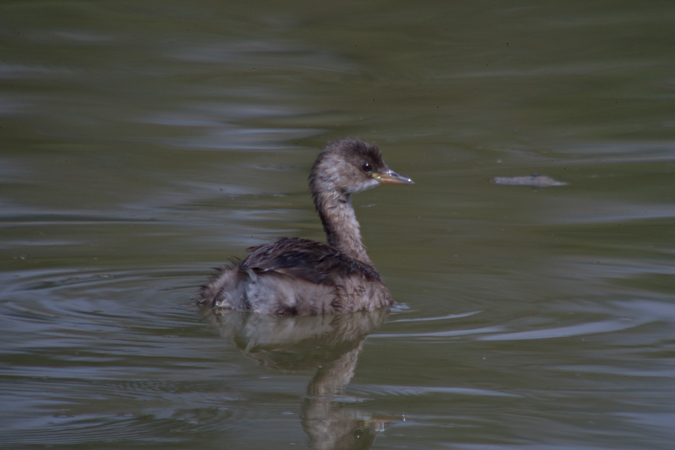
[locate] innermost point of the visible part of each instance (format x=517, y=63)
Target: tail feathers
x=225, y=289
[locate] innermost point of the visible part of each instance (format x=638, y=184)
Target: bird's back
x=297, y=276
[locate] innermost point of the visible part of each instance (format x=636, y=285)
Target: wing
x=308, y=260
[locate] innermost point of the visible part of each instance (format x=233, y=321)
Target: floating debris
x=531, y=180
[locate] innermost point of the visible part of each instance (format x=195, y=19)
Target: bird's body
x=300, y=276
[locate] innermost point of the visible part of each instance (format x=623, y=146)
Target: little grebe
x=300, y=276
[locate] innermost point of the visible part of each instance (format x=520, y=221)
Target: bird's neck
x=340, y=224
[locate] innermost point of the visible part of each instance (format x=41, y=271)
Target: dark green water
x=142, y=143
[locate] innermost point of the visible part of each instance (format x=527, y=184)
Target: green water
x=142, y=144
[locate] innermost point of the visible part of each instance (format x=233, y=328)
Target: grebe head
x=350, y=165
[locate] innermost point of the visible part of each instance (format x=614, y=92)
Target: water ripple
x=581, y=329
x=386, y=390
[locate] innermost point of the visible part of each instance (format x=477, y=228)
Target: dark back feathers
x=308, y=260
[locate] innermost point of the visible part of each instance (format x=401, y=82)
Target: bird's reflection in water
x=330, y=344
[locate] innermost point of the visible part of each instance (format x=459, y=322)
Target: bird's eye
x=367, y=167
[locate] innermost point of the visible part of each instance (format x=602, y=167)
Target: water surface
x=142, y=144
